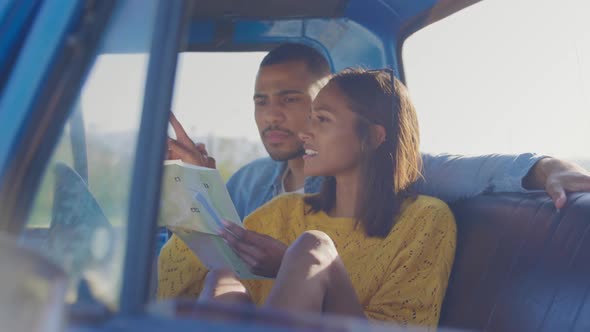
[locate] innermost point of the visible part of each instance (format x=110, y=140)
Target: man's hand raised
x=185, y=149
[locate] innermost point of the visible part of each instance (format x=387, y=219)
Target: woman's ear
x=378, y=135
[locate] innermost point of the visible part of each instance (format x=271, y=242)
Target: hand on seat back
x=185, y=149
x=557, y=177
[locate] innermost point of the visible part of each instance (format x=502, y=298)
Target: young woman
x=364, y=246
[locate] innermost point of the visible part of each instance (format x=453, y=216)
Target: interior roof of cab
x=392, y=19
x=268, y=9
x=427, y=11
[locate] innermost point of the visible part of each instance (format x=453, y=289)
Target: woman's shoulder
x=287, y=200
x=427, y=208
x=421, y=202
x=281, y=207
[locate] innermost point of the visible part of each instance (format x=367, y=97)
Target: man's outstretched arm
x=453, y=177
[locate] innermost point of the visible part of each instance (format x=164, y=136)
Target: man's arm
x=453, y=177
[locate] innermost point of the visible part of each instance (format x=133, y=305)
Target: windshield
x=79, y=217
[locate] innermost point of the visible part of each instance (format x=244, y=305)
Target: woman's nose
x=304, y=135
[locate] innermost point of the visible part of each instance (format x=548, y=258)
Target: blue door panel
x=15, y=17
x=29, y=75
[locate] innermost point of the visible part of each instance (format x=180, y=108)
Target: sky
x=212, y=96
x=504, y=76
x=501, y=76
x=231, y=79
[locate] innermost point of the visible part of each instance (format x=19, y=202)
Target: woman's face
x=330, y=139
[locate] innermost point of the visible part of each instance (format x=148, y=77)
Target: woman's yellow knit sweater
x=400, y=278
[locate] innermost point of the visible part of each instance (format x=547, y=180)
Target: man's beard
x=287, y=155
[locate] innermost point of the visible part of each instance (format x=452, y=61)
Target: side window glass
x=213, y=101
x=79, y=220
x=504, y=77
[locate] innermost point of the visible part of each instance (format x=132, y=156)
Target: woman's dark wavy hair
x=388, y=170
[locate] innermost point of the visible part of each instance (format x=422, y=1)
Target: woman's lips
x=310, y=153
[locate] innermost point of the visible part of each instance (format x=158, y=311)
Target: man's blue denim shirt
x=448, y=177
x=260, y=181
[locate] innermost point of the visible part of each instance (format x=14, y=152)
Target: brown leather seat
x=520, y=265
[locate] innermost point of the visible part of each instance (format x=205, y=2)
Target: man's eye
x=259, y=102
x=291, y=99
x=322, y=119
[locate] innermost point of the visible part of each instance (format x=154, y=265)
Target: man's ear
x=378, y=135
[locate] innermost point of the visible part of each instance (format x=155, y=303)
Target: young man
x=288, y=80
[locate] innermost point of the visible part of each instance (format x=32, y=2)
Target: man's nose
x=275, y=113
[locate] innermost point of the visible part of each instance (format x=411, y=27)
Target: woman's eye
x=316, y=118
x=291, y=99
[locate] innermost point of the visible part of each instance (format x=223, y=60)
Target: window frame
x=441, y=10
x=35, y=115
x=38, y=117
x=14, y=26
x=170, y=30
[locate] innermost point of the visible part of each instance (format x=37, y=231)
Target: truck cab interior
x=520, y=265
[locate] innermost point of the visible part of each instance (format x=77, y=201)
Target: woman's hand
x=262, y=253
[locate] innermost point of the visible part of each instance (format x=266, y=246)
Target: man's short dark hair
x=313, y=59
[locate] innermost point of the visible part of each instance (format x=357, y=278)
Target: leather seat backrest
x=520, y=265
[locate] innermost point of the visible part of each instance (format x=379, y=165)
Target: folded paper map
x=194, y=203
